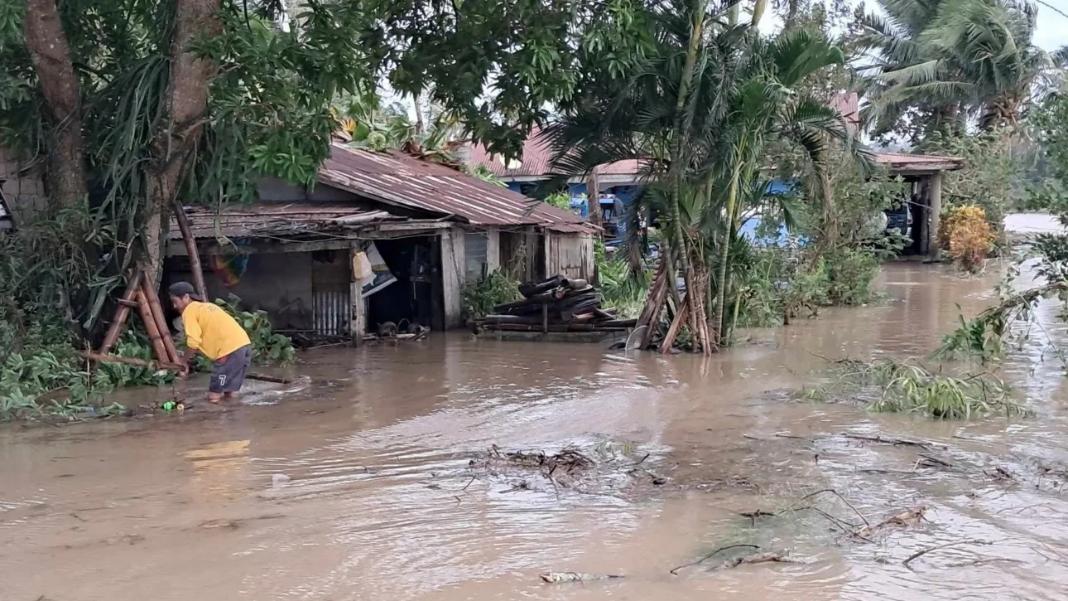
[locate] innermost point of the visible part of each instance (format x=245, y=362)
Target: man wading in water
x=212, y=332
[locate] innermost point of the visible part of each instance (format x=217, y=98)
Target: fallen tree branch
x=923, y=552
x=843, y=499
x=758, y=558
x=675, y=571
x=890, y=441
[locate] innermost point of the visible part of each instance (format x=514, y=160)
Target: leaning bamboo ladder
x=140, y=295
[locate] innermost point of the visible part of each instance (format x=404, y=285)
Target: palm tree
x=703, y=107
x=939, y=62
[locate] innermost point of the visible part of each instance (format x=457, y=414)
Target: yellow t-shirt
x=211, y=330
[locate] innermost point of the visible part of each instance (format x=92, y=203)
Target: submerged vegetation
x=905, y=387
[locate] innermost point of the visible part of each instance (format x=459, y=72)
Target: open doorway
x=416, y=296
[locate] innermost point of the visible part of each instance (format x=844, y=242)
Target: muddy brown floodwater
x=360, y=485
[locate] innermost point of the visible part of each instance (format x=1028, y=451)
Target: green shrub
x=620, y=289
x=268, y=347
x=850, y=273
x=479, y=298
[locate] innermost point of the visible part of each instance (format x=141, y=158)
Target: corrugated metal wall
x=331, y=293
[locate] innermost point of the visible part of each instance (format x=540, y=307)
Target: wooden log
x=122, y=313
x=156, y=311
x=618, y=323
x=191, y=250
x=151, y=329
x=533, y=288
x=676, y=327
x=510, y=319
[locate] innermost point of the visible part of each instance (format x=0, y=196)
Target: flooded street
x=359, y=485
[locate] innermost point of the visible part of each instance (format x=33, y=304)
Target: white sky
x=1051, y=33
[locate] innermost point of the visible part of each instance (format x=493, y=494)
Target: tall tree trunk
x=759, y=6
x=50, y=53
x=793, y=7
x=725, y=254
x=185, y=108
x=830, y=215
x=677, y=169
x=593, y=198
x=420, y=125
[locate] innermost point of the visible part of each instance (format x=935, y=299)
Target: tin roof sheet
x=399, y=179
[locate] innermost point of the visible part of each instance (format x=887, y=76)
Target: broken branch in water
x=890, y=441
x=758, y=558
x=675, y=571
x=904, y=519
x=843, y=499
x=923, y=552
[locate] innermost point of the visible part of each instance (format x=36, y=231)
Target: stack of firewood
x=557, y=304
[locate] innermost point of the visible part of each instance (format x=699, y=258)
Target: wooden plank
x=493, y=249
x=452, y=275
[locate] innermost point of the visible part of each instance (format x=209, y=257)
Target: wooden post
x=593, y=198
x=122, y=313
x=191, y=251
x=452, y=275
x=359, y=307
x=545, y=318
x=934, y=203
x=493, y=249
x=160, y=320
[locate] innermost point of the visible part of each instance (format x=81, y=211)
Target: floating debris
x=566, y=577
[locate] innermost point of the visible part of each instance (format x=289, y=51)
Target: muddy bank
x=360, y=486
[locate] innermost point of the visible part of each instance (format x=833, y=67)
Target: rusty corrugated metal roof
x=399, y=179
x=277, y=219
x=536, y=161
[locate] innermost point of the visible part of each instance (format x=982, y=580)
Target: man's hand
x=184, y=371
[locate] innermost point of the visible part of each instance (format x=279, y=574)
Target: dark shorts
x=228, y=373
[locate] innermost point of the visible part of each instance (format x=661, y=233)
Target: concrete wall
x=24, y=190
x=279, y=283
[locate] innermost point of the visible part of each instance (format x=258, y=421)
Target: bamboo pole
x=191, y=250
x=676, y=326
x=159, y=318
x=122, y=313
x=151, y=329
